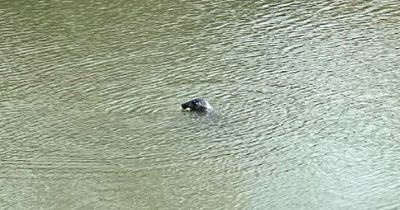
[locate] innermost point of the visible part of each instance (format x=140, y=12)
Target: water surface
x=306, y=95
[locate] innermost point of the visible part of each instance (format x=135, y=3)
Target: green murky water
x=306, y=95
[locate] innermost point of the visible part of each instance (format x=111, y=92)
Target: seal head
x=197, y=105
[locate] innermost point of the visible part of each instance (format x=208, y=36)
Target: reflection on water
x=306, y=95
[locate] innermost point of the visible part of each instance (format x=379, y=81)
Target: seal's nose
x=185, y=107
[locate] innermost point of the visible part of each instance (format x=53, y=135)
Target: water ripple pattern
x=306, y=99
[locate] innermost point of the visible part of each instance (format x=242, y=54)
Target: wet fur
x=197, y=105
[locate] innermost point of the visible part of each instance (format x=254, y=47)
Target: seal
x=197, y=105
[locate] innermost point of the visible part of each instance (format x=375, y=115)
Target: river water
x=306, y=95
